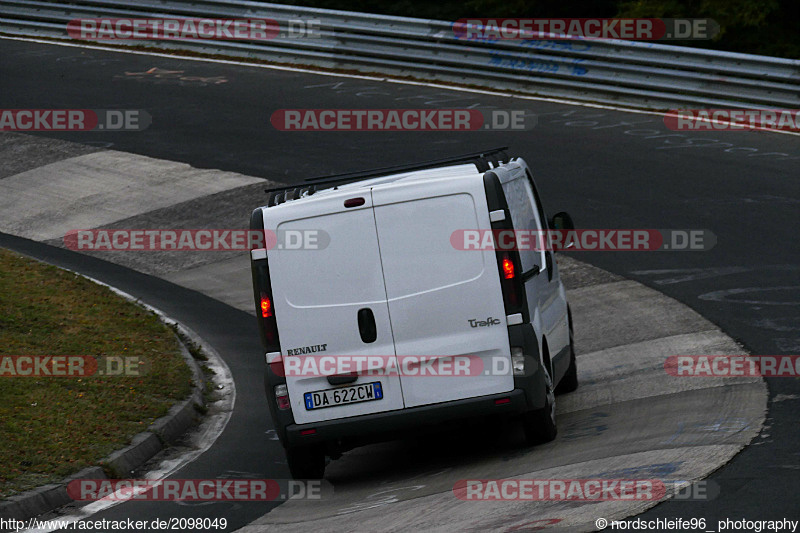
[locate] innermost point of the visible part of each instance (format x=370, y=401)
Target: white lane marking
x=783, y=324
x=722, y=296
x=202, y=438
x=565, y=101
x=785, y=397
x=787, y=344
x=690, y=274
x=378, y=499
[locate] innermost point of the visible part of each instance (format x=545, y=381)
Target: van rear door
x=320, y=298
x=443, y=302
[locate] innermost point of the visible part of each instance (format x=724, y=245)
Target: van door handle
x=343, y=379
x=366, y=325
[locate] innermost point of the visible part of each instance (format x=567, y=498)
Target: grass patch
x=51, y=427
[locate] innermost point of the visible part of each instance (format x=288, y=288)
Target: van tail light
x=266, y=306
x=282, y=396
x=512, y=286
x=262, y=290
x=509, y=264
x=508, y=269
x=510, y=282
x=269, y=324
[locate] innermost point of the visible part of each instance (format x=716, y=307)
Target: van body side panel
x=437, y=294
x=544, y=291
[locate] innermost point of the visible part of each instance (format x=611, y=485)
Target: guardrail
x=636, y=74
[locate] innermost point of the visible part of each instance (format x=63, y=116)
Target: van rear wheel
x=540, y=425
x=306, y=462
x=569, y=382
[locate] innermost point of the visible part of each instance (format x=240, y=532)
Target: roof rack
x=484, y=160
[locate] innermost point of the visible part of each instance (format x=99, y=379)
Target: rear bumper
x=373, y=426
x=528, y=394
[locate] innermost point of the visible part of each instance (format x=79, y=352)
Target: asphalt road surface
x=608, y=168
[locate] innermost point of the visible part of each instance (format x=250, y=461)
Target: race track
x=608, y=168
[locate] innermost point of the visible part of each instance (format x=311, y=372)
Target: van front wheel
x=569, y=382
x=306, y=462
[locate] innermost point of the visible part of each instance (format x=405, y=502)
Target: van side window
x=539, y=206
x=524, y=216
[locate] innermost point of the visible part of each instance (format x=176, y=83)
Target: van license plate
x=367, y=392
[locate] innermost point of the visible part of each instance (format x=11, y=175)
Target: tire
x=306, y=462
x=569, y=382
x=540, y=424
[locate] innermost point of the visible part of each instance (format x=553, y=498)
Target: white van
x=389, y=284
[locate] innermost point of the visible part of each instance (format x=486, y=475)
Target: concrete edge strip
x=671, y=487
x=144, y=446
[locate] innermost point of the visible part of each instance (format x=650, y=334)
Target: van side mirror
x=562, y=220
